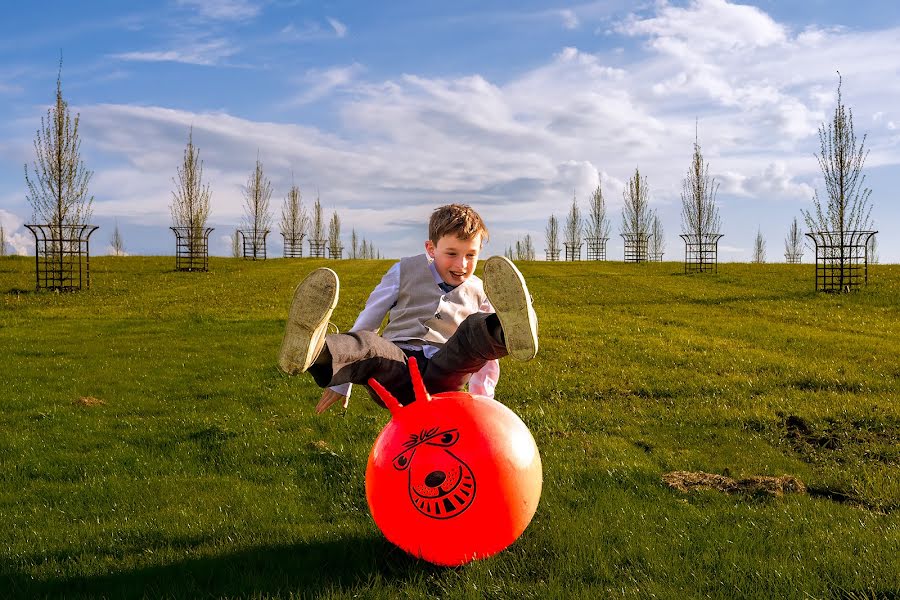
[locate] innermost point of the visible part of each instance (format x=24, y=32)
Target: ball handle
x=418, y=388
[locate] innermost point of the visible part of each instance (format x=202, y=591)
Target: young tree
x=58, y=187
x=236, y=244
x=257, y=195
x=574, y=226
x=294, y=220
x=872, y=251
x=118, y=245
x=759, y=248
x=335, y=248
x=190, y=200
x=317, y=228
x=841, y=160
x=793, y=244
x=529, y=247
x=699, y=213
x=636, y=217
x=2, y=240
x=354, y=244
x=597, y=225
x=657, y=238
x=551, y=234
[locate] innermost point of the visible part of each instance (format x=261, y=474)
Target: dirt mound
x=686, y=481
x=89, y=401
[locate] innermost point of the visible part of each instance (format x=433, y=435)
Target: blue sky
x=390, y=109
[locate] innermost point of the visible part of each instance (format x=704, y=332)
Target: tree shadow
x=306, y=570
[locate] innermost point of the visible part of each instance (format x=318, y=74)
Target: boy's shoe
x=505, y=288
x=307, y=323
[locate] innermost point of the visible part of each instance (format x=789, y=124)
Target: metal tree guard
x=793, y=258
x=317, y=248
x=842, y=260
x=701, y=252
x=573, y=252
x=62, y=256
x=293, y=245
x=596, y=248
x=656, y=256
x=191, y=248
x=335, y=251
x=254, y=243
x=636, y=246
x=551, y=254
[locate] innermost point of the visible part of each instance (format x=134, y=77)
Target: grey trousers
x=355, y=357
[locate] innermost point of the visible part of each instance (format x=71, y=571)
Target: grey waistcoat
x=425, y=314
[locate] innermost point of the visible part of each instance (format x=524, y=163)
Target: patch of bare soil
x=685, y=481
x=89, y=401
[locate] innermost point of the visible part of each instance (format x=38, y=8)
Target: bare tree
x=118, y=245
x=841, y=160
x=294, y=220
x=190, y=200
x=2, y=240
x=793, y=244
x=551, y=234
x=236, y=244
x=597, y=225
x=257, y=219
x=657, y=238
x=759, y=248
x=872, y=250
x=317, y=224
x=699, y=213
x=636, y=217
x=335, y=247
x=509, y=253
x=58, y=188
x=354, y=244
x=574, y=227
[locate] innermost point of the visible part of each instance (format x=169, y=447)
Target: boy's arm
x=380, y=301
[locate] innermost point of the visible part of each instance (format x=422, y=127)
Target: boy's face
x=454, y=259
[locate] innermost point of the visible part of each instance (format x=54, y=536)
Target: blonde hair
x=460, y=220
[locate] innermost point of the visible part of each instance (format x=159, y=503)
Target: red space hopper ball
x=452, y=477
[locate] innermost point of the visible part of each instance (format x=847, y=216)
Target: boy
x=439, y=311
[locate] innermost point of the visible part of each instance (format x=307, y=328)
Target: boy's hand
x=329, y=397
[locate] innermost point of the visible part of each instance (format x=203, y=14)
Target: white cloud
x=773, y=182
x=21, y=241
x=201, y=53
x=339, y=28
x=224, y=10
x=317, y=84
x=569, y=18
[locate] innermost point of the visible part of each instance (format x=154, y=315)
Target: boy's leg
x=356, y=356
x=478, y=339
x=307, y=322
x=505, y=288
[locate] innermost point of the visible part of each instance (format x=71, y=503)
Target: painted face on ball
x=441, y=484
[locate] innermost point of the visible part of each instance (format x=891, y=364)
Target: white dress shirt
x=380, y=302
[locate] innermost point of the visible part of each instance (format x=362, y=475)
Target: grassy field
x=150, y=447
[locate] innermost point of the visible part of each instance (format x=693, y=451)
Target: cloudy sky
x=388, y=109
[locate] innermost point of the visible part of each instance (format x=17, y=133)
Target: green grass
x=205, y=472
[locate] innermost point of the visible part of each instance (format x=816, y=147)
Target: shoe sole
x=505, y=288
x=314, y=300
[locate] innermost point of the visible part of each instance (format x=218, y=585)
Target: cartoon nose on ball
x=435, y=478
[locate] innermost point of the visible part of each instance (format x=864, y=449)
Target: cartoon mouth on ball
x=441, y=485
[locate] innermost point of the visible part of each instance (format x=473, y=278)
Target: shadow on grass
x=306, y=570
